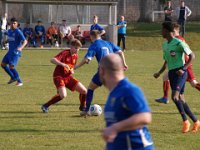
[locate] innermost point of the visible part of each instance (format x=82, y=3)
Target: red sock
x=166, y=88
x=82, y=98
x=53, y=100
x=197, y=86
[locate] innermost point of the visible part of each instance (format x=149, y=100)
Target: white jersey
x=4, y=23
x=65, y=29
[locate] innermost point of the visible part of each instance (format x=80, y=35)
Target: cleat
x=186, y=126
x=196, y=126
x=82, y=108
x=19, y=84
x=162, y=100
x=11, y=81
x=84, y=113
x=44, y=109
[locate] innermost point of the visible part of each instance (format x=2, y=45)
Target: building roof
x=65, y=2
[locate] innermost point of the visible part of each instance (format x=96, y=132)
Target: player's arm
x=157, y=74
x=59, y=63
x=121, y=54
x=83, y=62
x=132, y=123
x=102, y=32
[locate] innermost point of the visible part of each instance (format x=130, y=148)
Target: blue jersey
x=123, y=29
x=39, y=29
x=125, y=100
x=96, y=27
x=101, y=48
x=15, y=38
x=28, y=31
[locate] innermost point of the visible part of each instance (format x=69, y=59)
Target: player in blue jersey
x=40, y=33
x=126, y=111
x=122, y=32
x=96, y=26
x=28, y=33
x=99, y=48
x=17, y=42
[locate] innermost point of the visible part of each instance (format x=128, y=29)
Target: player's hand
x=19, y=49
x=156, y=75
x=180, y=72
x=71, y=71
x=109, y=134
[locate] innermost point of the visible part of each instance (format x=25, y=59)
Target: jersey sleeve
x=115, y=47
x=21, y=35
x=186, y=48
x=136, y=102
x=90, y=53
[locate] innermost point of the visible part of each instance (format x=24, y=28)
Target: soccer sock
x=8, y=71
x=53, y=100
x=89, y=99
x=180, y=107
x=16, y=75
x=82, y=98
x=197, y=86
x=189, y=112
x=166, y=86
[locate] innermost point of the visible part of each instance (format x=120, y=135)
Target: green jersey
x=173, y=53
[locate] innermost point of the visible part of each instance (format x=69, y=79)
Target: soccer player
x=40, y=33
x=63, y=78
x=28, y=33
x=190, y=78
x=173, y=54
x=122, y=32
x=96, y=26
x=126, y=111
x=99, y=48
x=17, y=42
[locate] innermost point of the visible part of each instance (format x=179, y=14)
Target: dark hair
x=168, y=26
x=176, y=26
x=13, y=19
x=94, y=33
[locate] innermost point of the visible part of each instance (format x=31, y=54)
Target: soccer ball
x=95, y=110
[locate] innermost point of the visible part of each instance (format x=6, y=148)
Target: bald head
x=112, y=63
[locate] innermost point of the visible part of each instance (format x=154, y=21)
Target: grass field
x=24, y=127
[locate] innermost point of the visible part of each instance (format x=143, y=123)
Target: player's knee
x=193, y=84
x=63, y=95
x=83, y=91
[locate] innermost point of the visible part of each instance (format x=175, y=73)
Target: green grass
x=24, y=127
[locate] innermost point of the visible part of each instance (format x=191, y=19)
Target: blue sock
x=189, y=112
x=9, y=72
x=89, y=98
x=180, y=107
x=16, y=75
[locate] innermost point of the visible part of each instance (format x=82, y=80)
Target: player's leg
x=62, y=93
x=166, y=86
x=16, y=75
x=188, y=111
x=124, y=42
x=82, y=97
x=177, y=84
x=118, y=40
x=7, y=70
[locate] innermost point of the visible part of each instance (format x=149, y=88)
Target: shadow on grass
x=46, y=131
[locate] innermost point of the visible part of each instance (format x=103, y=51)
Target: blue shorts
x=177, y=82
x=96, y=79
x=11, y=59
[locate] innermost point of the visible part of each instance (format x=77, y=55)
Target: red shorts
x=191, y=75
x=68, y=82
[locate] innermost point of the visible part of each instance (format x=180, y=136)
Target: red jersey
x=65, y=57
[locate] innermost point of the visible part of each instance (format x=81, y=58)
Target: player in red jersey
x=191, y=76
x=63, y=78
